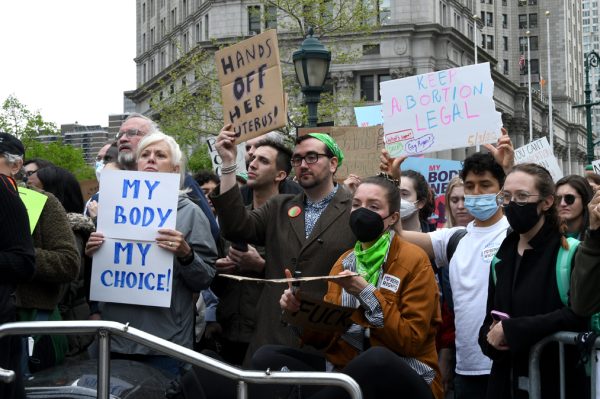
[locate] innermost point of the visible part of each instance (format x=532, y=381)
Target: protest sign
x=440, y=110
x=361, y=147
x=315, y=314
x=134, y=272
x=216, y=160
x=34, y=203
x=596, y=167
x=437, y=173
x=368, y=116
x=539, y=152
x=136, y=204
x=251, y=86
x=130, y=267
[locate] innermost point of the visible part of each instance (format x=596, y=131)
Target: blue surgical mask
x=99, y=167
x=482, y=207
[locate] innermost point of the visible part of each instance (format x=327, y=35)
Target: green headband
x=331, y=144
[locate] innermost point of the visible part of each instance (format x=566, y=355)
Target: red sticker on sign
x=294, y=211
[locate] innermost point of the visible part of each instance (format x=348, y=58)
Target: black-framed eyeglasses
x=30, y=172
x=130, y=133
x=310, y=158
x=569, y=199
x=520, y=198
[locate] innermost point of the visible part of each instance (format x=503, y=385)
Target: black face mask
x=366, y=224
x=522, y=218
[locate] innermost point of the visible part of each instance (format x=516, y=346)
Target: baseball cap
x=11, y=145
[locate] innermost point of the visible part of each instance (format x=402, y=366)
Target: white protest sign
x=539, y=152
x=216, y=160
x=596, y=167
x=440, y=110
x=133, y=272
x=134, y=205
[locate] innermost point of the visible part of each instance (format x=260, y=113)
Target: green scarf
x=369, y=261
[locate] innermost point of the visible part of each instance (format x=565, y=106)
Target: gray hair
x=12, y=159
x=176, y=153
x=152, y=126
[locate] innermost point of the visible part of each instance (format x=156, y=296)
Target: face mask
x=522, y=218
x=407, y=209
x=482, y=207
x=99, y=167
x=366, y=224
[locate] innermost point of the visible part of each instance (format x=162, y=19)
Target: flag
x=522, y=62
x=542, y=81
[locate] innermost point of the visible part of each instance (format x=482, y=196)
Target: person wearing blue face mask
x=483, y=175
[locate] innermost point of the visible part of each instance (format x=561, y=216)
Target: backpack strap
x=563, y=268
x=453, y=243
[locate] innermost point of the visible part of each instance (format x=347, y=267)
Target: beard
x=127, y=160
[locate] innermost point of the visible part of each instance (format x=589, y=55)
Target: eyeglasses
x=310, y=158
x=130, y=133
x=569, y=199
x=520, y=198
x=30, y=172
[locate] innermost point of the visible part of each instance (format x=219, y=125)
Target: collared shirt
x=313, y=211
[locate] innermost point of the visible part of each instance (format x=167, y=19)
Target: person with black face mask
x=390, y=347
x=523, y=284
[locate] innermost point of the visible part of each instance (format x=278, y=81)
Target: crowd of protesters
x=438, y=311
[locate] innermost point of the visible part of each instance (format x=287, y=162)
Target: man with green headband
x=305, y=233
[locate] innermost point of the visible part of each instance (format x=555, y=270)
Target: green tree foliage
x=18, y=120
x=200, y=159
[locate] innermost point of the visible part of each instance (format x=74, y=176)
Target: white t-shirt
x=469, y=276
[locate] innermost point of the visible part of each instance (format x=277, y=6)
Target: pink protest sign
x=440, y=110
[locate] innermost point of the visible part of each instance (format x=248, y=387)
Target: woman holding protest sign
x=390, y=345
x=193, y=265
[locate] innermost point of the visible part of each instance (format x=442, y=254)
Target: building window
x=535, y=66
x=184, y=43
x=152, y=8
x=533, y=42
x=369, y=86
x=370, y=49
x=504, y=2
x=532, y=21
x=385, y=12
x=253, y=20
x=489, y=42
x=522, y=21
x=270, y=17
x=162, y=60
x=489, y=21
x=504, y=21
x=144, y=12
x=206, y=37
x=505, y=43
x=198, y=32
x=173, y=52
x=162, y=28
x=173, y=18
x=144, y=73
x=151, y=72
x=184, y=8
x=505, y=67
x=152, y=37
x=143, y=42
x=482, y=41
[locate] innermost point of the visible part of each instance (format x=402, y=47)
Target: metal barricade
x=104, y=329
x=562, y=337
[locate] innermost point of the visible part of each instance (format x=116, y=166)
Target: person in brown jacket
x=390, y=347
x=305, y=233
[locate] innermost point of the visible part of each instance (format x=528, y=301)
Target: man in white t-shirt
x=483, y=176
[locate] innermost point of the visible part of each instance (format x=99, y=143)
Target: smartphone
x=499, y=316
x=240, y=246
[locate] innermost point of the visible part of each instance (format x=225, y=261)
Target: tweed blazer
x=282, y=234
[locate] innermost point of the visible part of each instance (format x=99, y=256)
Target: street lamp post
x=592, y=60
x=311, y=63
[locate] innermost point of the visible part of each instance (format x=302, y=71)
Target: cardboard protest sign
x=440, y=110
x=251, y=85
x=596, y=166
x=368, y=116
x=34, y=203
x=361, y=147
x=539, y=152
x=133, y=272
x=136, y=204
x=130, y=267
x=315, y=314
x=438, y=173
x=216, y=160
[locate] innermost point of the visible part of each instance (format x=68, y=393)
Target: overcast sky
x=70, y=59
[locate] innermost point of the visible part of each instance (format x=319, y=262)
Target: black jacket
x=528, y=292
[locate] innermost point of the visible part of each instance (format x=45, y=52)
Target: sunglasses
x=569, y=198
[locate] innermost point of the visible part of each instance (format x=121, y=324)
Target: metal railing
x=563, y=337
x=104, y=329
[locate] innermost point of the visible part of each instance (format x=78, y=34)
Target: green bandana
x=331, y=144
x=369, y=261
